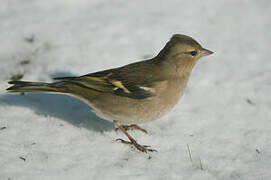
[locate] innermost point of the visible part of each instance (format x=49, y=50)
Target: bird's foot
x=142, y=148
x=133, y=127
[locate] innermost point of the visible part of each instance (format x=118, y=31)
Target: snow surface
x=224, y=117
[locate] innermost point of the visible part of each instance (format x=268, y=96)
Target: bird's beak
x=205, y=52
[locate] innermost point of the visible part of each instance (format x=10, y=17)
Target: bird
x=136, y=93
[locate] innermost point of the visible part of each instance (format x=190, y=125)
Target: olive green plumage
x=123, y=81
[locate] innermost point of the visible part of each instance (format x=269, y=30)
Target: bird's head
x=182, y=51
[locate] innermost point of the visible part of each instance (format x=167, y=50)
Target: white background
x=224, y=116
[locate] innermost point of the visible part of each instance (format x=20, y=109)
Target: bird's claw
x=142, y=148
x=123, y=141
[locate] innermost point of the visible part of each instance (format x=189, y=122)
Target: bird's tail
x=23, y=86
x=67, y=86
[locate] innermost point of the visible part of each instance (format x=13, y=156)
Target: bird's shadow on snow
x=63, y=107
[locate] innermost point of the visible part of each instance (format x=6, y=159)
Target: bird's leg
x=133, y=127
x=132, y=141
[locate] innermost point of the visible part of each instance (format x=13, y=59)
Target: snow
x=224, y=117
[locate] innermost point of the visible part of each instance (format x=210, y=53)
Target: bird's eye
x=193, y=53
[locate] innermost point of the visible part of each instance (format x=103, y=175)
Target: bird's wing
x=133, y=81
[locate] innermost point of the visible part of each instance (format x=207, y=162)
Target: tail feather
x=63, y=87
x=23, y=86
x=65, y=78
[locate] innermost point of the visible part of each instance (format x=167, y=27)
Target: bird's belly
x=136, y=112
x=127, y=110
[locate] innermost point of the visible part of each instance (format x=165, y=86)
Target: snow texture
x=224, y=117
